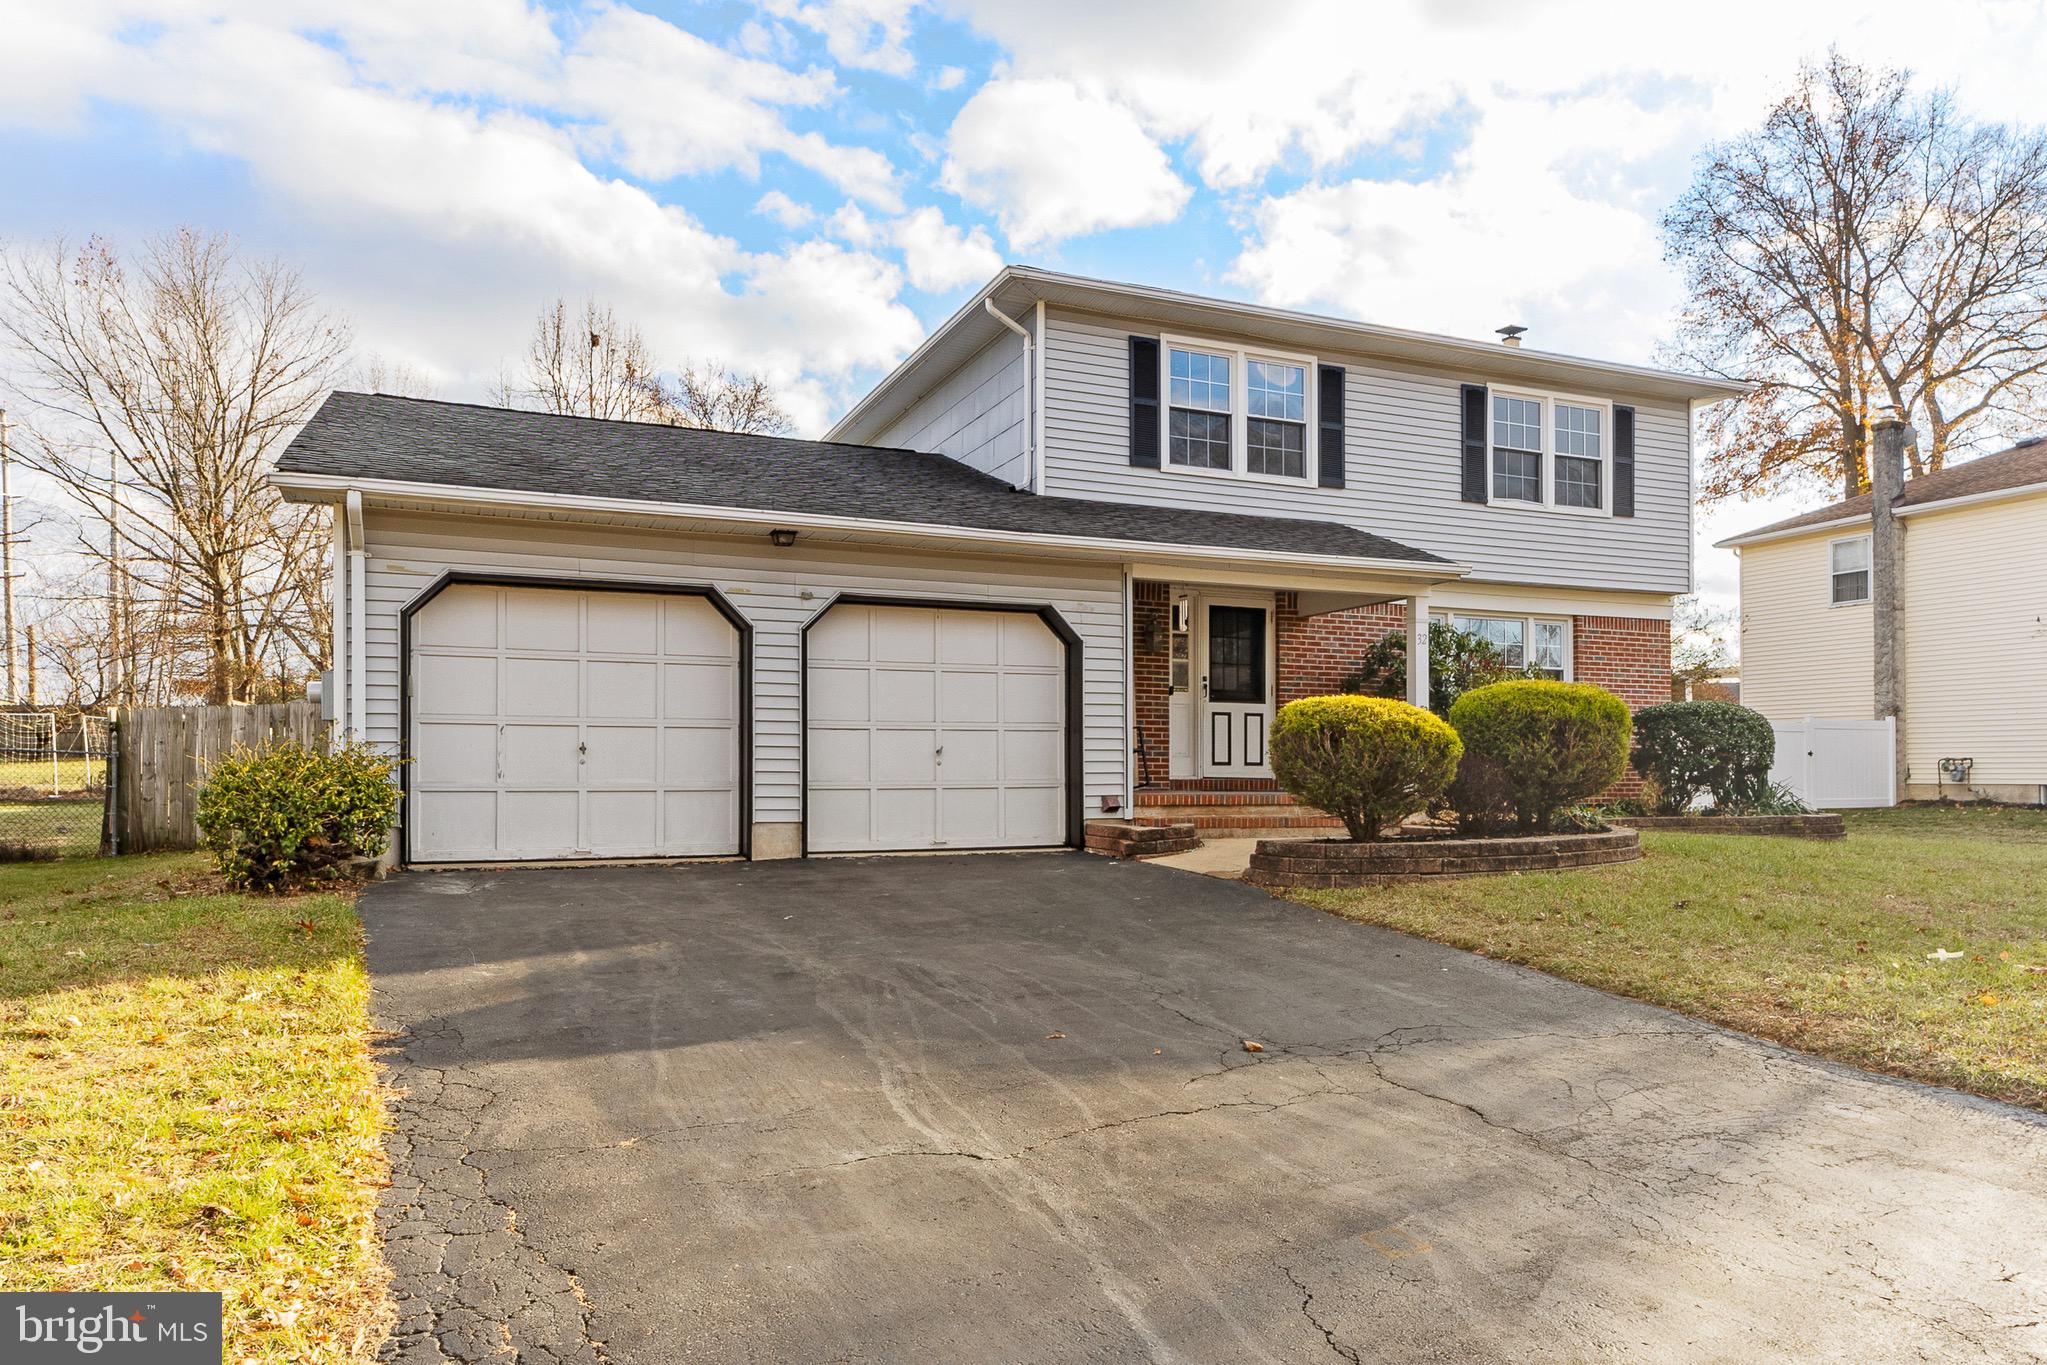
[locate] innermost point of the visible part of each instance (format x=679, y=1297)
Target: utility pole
x=7, y=559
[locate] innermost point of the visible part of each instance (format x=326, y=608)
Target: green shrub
x=1369, y=761
x=1558, y=743
x=1458, y=662
x=279, y=817
x=1686, y=748
x=1480, y=796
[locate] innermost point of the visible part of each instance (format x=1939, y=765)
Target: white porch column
x=1418, y=650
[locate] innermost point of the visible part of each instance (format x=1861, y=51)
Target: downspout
x=337, y=704
x=358, y=644
x=1030, y=390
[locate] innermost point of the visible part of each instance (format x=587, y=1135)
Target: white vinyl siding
x=979, y=416
x=776, y=590
x=1403, y=444
x=1800, y=655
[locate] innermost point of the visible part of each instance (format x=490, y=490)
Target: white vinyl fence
x=1832, y=764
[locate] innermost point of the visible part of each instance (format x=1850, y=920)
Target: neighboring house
x=1081, y=543
x=1971, y=627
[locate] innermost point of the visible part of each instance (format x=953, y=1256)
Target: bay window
x=1222, y=400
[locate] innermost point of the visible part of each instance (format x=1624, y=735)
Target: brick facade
x=1629, y=656
x=1151, y=620
x=1317, y=654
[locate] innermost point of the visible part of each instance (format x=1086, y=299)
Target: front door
x=1235, y=690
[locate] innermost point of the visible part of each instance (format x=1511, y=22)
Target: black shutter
x=1329, y=416
x=1144, y=402
x=1623, y=461
x=1474, y=406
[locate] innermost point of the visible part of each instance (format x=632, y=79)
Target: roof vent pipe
x=1030, y=397
x=1510, y=335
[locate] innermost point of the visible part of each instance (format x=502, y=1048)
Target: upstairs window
x=1580, y=455
x=1198, y=409
x=1850, y=570
x=1276, y=429
x=1517, y=449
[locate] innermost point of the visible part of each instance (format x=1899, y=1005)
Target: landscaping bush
x=1557, y=743
x=1368, y=761
x=280, y=817
x=1458, y=662
x=1480, y=796
x=1685, y=748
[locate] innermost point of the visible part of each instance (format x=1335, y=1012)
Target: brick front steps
x=1284, y=864
x=1128, y=839
x=1827, y=825
x=1233, y=808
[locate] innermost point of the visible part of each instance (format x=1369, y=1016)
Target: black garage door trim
x=454, y=578
x=1044, y=611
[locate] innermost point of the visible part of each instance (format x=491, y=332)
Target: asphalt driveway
x=1000, y=1108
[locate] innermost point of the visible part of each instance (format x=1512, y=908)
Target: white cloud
x=784, y=210
x=949, y=78
x=871, y=34
x=939, y=256
x=1052, y=161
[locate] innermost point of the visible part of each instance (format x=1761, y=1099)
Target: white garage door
x=559, y=724
x=934, y=728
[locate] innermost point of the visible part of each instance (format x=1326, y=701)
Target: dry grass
x=188, y=1100
x=1820, y=946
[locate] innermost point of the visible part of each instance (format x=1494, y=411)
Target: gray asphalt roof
x=2018, y=467
x=376, y=436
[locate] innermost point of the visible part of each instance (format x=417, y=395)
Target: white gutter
x=358, y=612
x=1030, y=390
x=1434, y=571
x=1789, y=532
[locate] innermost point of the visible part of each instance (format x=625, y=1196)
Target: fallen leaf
x=1050, y=1036
x=1250, y=1046
x=1987, y=998
x=1158, y=1052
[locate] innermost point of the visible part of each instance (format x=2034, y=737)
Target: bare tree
x=160, y=400
x=594, y=364
x=1866, y=248
x=375, y=374
x=1699, y=645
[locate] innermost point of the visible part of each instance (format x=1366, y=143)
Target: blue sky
x=804, y=187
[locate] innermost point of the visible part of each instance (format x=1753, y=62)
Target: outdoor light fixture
x=782, y=536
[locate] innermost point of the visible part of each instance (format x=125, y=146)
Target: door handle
x=1204, y=687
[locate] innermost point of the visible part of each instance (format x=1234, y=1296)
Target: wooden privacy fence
x=162, y=754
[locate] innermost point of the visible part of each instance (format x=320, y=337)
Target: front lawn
x=1821, y=946
x=187, y=1100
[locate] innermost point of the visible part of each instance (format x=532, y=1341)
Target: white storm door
x=1235, y=663
x=933, y=728
x=553, y=723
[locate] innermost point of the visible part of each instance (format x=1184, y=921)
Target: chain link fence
x=53, y=783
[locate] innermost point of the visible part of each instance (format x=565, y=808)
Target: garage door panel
x=971, y=756
x=622, y=691
x=457, y=754
x=622, y=755
x=455, y=685
x=904, y=697
x=698, y=757
x=462, y=618
x=541, y=755
x=905, y=756
x=966, y=698
x=699, y=692
x=459, y=822
x=541, y=687
x=543, y=619
x=949, y=736
x=546, y=738
x=624, y=623
x=539, y=824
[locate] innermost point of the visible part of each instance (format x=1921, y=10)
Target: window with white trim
x=1542, y=644
x=1222, y=400
x=1849, y=562
x=1550, y=450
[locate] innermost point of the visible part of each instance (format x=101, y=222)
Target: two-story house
x=1072, y=552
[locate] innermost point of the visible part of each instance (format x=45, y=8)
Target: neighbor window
x=1851, y=570
x=1580, y=454
x=1234, y=411
x=1517, y=448
x=1198, y=401
x=1276, y=428
x=1543, y=646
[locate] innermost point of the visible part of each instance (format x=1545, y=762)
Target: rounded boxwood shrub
x=1368, y=761
x=279, y=817
x=1556, y=743
x=1687, y=747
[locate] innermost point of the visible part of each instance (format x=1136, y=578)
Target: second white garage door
x=934, y=728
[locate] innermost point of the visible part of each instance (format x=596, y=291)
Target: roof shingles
x=410, y=440
x=2021, y=466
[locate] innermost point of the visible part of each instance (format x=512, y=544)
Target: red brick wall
x=1317, y=653
x=1629, y=656
x=1151, y=617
